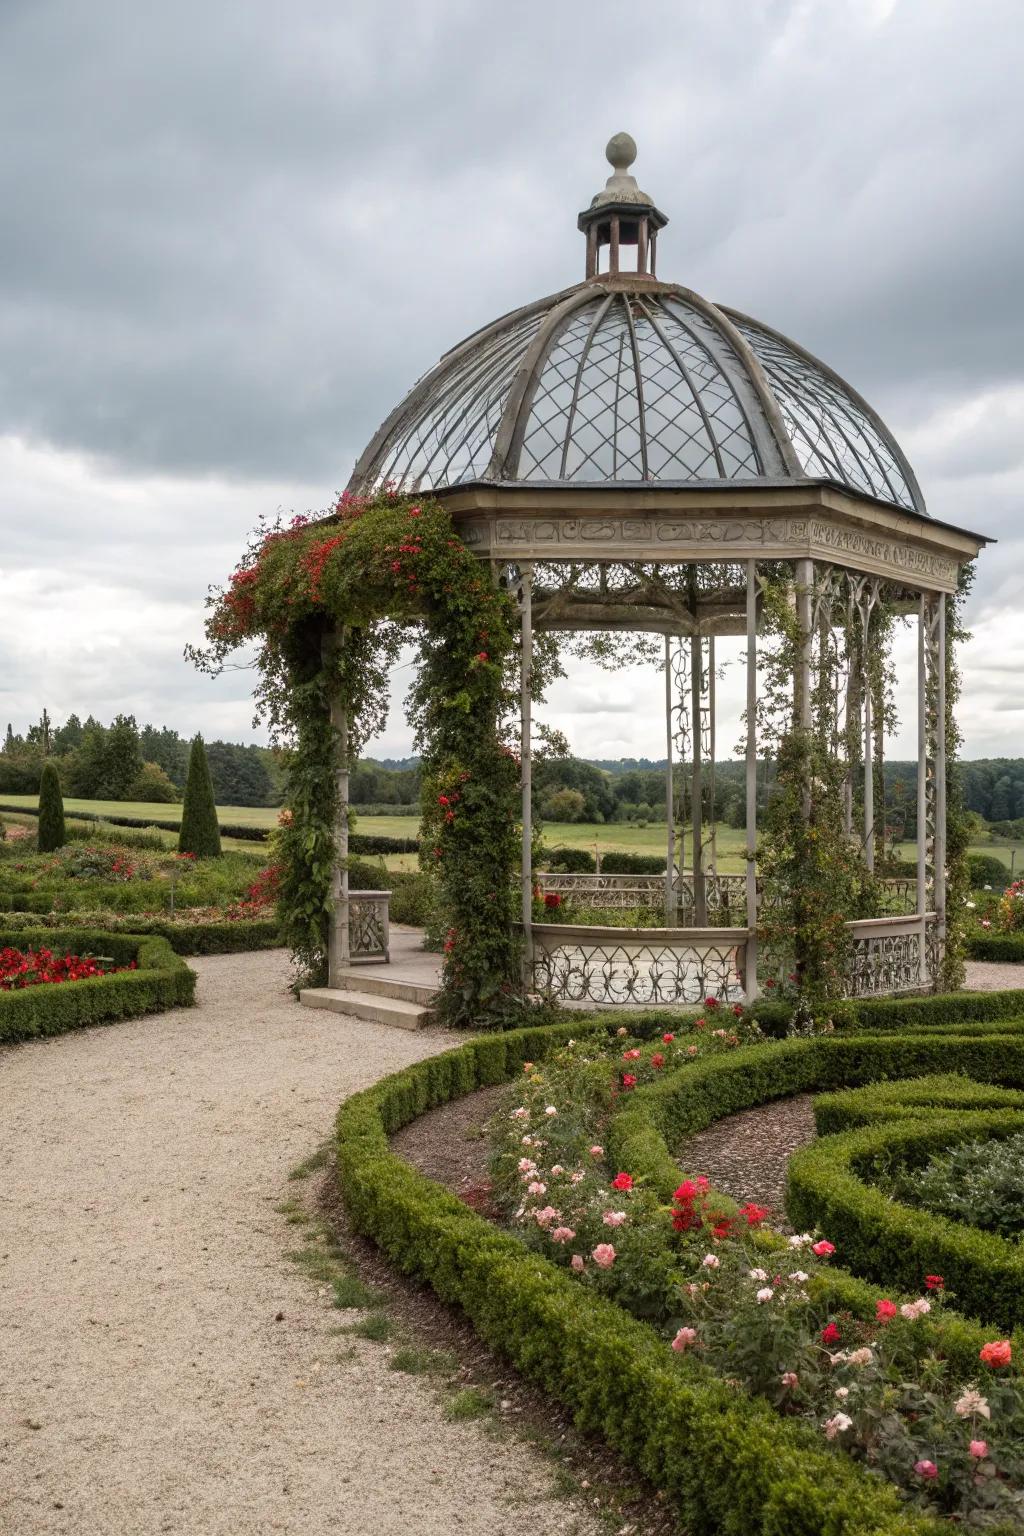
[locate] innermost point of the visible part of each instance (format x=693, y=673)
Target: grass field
x=618, y=837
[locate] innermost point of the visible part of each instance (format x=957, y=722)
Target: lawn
x=240, y=815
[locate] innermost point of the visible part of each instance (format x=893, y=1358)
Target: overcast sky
x=231, y=236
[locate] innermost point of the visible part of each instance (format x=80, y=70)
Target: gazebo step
x=366, y=1005
x=365, y=978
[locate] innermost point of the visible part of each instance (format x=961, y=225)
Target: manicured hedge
x=632, y=864
x=835, y=1112
x=1003, y=948
x=895, y=1243
x=728, y=1462
x=228, y=829
x=663, y=1115
x=161, y=981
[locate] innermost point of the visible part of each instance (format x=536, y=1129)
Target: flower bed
x=141, y=975
x=756, y=1471
x=21, y=968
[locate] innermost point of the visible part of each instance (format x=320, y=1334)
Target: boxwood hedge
x=828, y=1186
x=162, y=980
x=727, y=1460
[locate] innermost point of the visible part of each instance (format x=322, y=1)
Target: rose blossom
x=836, y=1425
x=520, y=1114
x=622, y=1032
x=710, y=1261
x=691, y=1050
x=934, y=1283
x=830, y=1334
x=912, y=1310
x=578, y=1263
x=545, y=1217
x=885, y=1310
x=765, y=1293
x=527, y=1165
x=800, y=1276
x=860, y=1356
x=551, y=1110
x=799, y=1240
x=758, y=1274
x=842, y=1393
x=790, y=1379
x=613, y=1218
x=603, y=1255
x=622, y=1181
x=823, y=1249
x=577, y=1178
x=628, y=1080
x=979, y=1449
x=972, y=1402
x=683, y=1339
x=562, y=1235
x=667, y=1039
x=997, y=1352
x=536, y=1188
x=926, y=1469
x=556, y=1168
x=597, y=1151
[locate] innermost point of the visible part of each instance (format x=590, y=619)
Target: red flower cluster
x=41, y=967
x=691, y=1211
x=552, y=899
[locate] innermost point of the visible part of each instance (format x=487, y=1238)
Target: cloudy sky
x=233, y=235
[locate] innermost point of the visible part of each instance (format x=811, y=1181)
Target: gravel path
x=993, y=976
x=145, y=1383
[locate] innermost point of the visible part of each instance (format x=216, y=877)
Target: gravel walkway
x=993, y=976
x=146, y=1385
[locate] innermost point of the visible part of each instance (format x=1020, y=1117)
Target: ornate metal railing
x=577, y=964
x=726, y=895
x=890, y=955
x=369, y=927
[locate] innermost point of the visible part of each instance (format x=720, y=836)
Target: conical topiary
x=200, y=831
x=51, y=811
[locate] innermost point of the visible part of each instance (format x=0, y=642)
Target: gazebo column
x=338, y=949
x=922, y=782
x=700, y=899
x=711, y=755
x=750, y=978
x=940, y=775
x=802, y=674
x=671, y=904
x=526, y=710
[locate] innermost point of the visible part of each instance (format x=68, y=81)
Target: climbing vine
x=327, y=601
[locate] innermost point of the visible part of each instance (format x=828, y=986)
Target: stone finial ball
x=621, y=151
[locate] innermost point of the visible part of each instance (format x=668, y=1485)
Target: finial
x=621, y=213
x=621, y=151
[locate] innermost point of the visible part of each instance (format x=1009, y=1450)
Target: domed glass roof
x=628, y=380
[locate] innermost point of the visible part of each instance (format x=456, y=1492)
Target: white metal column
x=750, y=979
x=526, y=618
x=338, y=954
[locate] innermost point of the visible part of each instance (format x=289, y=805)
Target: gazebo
x=628, y=456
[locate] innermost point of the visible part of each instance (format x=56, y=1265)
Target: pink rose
x=979, y=1449
x=556, y=1168
x=823, y=1249
x=597, y=1151
x=836, y=1425
x=691, y=1050
x=545, y=1217
x=562, y=1235
x=998, y=1352
x=926, y=1469
x=536, y=1188
x=603, y=1255
x=790, y=1379
x=613, y=1218
x=683, y=1339
x=577, y=1263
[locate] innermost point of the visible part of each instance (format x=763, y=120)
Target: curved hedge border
x=880, y=1237
x=664, y=1114
x=835, y=1112
x=161, y=981
x=184, y=938
x=728, y=1461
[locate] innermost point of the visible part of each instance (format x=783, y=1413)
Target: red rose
x=998, y=1352
x=622, y=1181
x=934, y=1282
x=755, y=1214
x=628, y=1080
x=885, y=1310
x=830, y=1334
x=667, y=1039
x=657, y=1060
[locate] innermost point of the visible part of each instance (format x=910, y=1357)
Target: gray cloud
x=233, y=236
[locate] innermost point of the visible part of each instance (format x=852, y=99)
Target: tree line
x=126, y=761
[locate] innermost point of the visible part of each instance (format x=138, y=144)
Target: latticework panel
x=833, y=437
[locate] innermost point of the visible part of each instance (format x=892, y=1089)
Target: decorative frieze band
x=694, y=538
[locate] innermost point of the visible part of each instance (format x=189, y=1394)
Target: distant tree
x=166, y=748
x=122, y=760
x=51, y=810
x=563, y=805
x=83, y=768
x=239, y=774
x=152, y=784
x=10, y=741
x=200, y=831
x=67, y=736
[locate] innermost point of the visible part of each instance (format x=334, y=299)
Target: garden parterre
x=586, y=1312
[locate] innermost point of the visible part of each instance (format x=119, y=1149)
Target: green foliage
x=161, y=981
x=633, y=863
x=1005, y=948
x=833, y=1183
x=979, y=1183
x=51, y=834
x=328, y=602
x=151, y=783
x=728, y=1463
x=200, y=833
x=985, y=869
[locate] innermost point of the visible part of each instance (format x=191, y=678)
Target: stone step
x=365, y=978
x=366, y=1005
